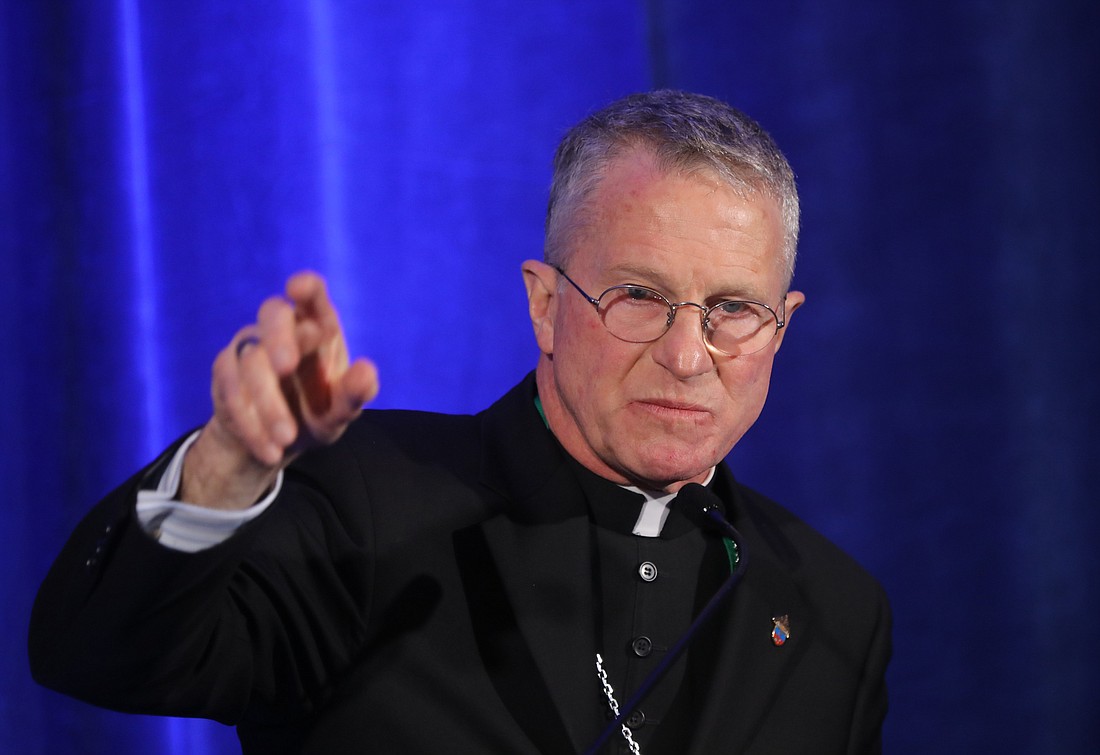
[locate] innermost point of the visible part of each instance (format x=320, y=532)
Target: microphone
x=704, y=509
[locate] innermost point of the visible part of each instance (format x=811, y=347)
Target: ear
x=541, y=281
x=795, y=299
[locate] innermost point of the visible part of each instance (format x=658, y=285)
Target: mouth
x=672, y=409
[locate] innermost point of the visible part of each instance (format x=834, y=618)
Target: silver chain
x=610, y=693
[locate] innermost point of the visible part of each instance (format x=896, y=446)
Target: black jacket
x=424, y=585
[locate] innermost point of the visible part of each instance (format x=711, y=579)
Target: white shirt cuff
x=185, y=526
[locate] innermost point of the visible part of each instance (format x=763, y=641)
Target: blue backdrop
x=164, y=166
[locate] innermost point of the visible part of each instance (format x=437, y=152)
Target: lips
x=673, y=407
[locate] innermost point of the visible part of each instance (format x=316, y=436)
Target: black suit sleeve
x=254, y=626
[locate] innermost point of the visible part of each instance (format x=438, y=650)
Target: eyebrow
x=652, y=278
x=640, y=274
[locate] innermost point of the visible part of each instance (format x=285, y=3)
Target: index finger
x=309, y=293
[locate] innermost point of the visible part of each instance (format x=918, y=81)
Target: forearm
x=216, y=633
x=119, y=614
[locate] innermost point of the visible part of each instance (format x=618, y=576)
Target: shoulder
x=449, y=440
x=409, y=443
x=821, y=566
x=396, y=452
x=416, y=434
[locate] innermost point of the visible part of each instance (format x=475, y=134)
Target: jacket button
x=647, y=571
x=635, y=720
x=642, y=646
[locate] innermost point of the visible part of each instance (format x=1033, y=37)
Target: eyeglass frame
x=674, y=306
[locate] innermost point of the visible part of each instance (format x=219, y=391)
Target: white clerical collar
x=654, y=512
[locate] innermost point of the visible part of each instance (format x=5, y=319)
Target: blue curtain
x=164, y=166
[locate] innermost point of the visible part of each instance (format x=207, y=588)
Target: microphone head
x=703, y=508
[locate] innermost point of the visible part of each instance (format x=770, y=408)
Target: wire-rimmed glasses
x=638, y=314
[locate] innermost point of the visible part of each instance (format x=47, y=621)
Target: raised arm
x=123, y=622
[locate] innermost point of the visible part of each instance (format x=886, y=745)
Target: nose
x=682, y=349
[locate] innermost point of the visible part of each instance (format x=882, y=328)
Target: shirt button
x=635, y=720
x=647, y=571
x=642, y=646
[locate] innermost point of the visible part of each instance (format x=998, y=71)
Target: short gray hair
x=684, y=131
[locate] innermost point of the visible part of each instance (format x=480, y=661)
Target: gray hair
x=685, y=132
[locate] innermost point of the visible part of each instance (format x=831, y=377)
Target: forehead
x=680, y=230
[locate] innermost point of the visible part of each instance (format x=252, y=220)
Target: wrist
x=219, y=473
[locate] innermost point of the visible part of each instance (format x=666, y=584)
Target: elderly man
x=332, y=580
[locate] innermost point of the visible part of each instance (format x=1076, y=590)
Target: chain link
x=610, y=693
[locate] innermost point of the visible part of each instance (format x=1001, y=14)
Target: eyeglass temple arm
x=594, y=302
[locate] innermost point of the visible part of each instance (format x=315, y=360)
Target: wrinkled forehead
x=602, y=178
x=633, y=190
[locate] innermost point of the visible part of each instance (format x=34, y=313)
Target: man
x=409, y=582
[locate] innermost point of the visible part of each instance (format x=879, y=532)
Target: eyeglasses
x=638, y=314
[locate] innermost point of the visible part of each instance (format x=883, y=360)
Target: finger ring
x=245, y=342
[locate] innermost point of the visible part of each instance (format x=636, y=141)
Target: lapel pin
x=781, y=629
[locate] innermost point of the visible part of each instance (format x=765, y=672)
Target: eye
x=635, y=302
x=736, y=309
x=637, y=293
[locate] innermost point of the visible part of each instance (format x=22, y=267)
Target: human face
x=658, y=414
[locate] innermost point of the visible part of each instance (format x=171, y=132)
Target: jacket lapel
x=750, y=667
x=548, y=584
x=538, y=560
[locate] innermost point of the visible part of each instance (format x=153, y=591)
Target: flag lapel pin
x=781, y=629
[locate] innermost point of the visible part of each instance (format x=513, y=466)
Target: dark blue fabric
x=164, y=166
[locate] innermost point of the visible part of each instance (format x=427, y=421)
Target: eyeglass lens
x=638, y=315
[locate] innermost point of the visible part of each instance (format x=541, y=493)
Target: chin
x=667, y=470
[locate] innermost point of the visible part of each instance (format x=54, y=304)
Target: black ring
x=245, y=342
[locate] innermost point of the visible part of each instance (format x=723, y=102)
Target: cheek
x=576, y=329
x=746, y=386
x=583, y=346
x=596, y=372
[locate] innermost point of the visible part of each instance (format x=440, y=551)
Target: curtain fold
x=164, y=167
